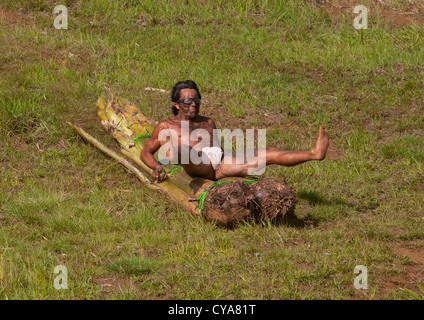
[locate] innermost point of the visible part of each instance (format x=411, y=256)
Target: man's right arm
x=147, y=153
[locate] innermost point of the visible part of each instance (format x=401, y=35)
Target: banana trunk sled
x=225, y=202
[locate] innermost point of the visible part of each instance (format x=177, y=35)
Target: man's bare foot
x=321, y=146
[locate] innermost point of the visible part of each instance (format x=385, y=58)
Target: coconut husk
x=229, y=203
x=267, y=199
x=275, y=197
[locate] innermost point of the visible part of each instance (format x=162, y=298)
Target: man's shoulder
x=206, y=119
x=166, y=122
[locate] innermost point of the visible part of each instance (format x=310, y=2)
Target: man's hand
x=159, y=174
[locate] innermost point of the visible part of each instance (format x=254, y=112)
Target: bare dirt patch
x=413, y=272
x=113, y=283
x=397, y=14
x=8, y=17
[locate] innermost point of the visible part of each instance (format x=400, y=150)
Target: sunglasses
x=189, y=101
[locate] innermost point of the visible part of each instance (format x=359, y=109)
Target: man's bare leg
x=200, y=170
x=292, y=157
x=229, y=166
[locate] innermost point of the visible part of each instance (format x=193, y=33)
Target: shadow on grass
x=291, y=220
x=315, y=198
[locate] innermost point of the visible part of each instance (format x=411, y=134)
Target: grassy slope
x=279, y=65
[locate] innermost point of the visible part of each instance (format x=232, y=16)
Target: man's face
x=189, y=103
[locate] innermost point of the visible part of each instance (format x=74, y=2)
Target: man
x=176, y=134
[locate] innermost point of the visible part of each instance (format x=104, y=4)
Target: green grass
x=286, y=66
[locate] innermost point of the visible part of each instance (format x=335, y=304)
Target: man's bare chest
x=191, y=134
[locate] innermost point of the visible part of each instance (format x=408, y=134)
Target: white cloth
x=214, y=154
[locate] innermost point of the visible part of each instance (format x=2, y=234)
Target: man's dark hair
x=176, y=91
